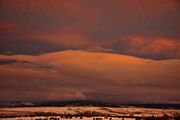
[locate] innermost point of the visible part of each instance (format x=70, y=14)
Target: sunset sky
x=123, y=51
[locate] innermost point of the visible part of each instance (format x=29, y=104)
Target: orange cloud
x=61, y=38
x=95, y=73
x=152, y=46
x=92, y=25
x=134, y=45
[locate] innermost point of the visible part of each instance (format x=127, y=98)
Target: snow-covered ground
x=48, y=118
x=129, y=111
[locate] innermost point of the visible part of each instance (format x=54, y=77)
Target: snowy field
x=58, y=118
x=54, y=113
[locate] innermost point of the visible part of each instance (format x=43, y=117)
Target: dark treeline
x=160, y=106
x=84, y=103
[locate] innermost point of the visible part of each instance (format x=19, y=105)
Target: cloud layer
x=86, y=75
x=53, y=25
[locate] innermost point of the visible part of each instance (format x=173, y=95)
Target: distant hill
x=77, y=103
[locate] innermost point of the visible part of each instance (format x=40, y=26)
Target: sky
x=123, y=51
